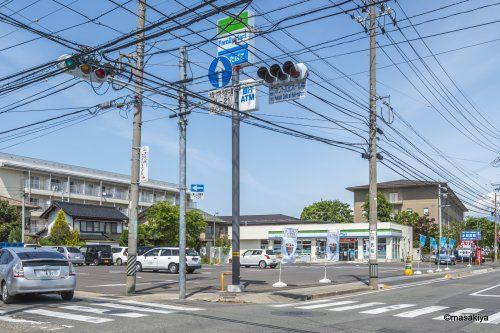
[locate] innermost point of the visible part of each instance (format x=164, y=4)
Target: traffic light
x=87, y=69
x=289, y=72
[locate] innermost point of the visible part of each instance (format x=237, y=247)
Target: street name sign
x=236, y=38
x=220, y=72
x=197, y=188
x=226, y=96
x=287, y=92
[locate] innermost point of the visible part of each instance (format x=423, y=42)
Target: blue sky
x=279, y=174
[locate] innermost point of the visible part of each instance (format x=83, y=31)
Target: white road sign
x=248, y=96
x=224, y=96
x=197, y=195
x=287, y=92
x=144, y=165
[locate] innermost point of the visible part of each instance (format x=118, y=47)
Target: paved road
x=405, y=308
x=111, y=279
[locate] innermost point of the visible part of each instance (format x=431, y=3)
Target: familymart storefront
x=394, y=240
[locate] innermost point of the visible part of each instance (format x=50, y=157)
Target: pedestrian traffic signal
x=87, y=69
x=289, y=72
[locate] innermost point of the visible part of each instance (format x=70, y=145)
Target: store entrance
x=348, y=249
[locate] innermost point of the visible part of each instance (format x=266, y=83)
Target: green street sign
x=229, y=24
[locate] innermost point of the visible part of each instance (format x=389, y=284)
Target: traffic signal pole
x=373, y=217
x=182, y=173
x=136, y=146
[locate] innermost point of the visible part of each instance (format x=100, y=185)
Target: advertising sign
x=423, y=239
x=289, y=245
x=144, y=165
x=332, y=245
x=224, y=96
x=471, y=235
x=287, y=92
x=452, y=244
x=236, y=38
x=433, y=243
x=248, y=96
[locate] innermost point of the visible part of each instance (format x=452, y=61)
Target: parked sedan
x=167, y=258
x=258, y=257
x=35, y=271
x=444, y=259
x=71, y=253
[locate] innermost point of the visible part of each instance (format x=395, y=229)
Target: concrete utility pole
x=495, y=220
x=23, y=216
x=373, y=156
x=182, y=173
x=136, y=147
x=235, y=242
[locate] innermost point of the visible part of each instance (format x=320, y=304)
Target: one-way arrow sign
x=220, y=72
x=200, y=188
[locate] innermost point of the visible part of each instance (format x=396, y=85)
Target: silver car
x=35, y=271
x=71, y=253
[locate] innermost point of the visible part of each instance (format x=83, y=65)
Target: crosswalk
x=66, y=315
x=400, y=310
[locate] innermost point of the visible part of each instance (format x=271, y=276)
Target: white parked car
x=258, y=257
x=167, y=258
x=120, y=255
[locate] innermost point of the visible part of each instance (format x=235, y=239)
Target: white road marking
x=388, y=308
x=325, y=305
x=460, y=312
x=10, y=319
x=493, y=319
x=123, y=284
x=70, y=316
x=101, y=311
x=299, y=303
x=478, y=293
x=130, y=307
x=356, y=306
x=163, y=306
x=419, y=312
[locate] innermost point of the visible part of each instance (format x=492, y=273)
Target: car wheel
x=138, y=267
x=6, y=297
x=190, y=270
x=262, y=264
x=173, y=268
x=67, y=295
x=95, y=262
x=119, y=262
x=272, y=266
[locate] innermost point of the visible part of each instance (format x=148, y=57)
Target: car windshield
x=73, y=250
x=270, y=252
x=191, y=252
x=40, y=255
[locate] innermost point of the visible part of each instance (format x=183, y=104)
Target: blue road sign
x=197, y=188
x=237, y=55
x=220, y=72
x=471, y=235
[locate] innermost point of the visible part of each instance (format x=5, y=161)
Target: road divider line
x=324, y=305
x=388, y=308
x=356, y=306
x=131, y=308
x=69, y=316
x=460, y=312
x=493, y=319
x=163, y=306
x=419, y=312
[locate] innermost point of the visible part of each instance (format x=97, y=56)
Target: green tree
x=328, y=210
x=384, y=209
x=10, y=218
x=141, y=237
x=224, y=243
x=163, y=225
x=60, y=232
x=74, y=239
x=15, y=235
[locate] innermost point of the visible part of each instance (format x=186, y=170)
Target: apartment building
x=413, y=196
x=44, y=181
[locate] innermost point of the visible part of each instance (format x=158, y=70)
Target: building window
x=35, y=182
x=209, y=230
x=76, y=186
x=394, y=198
x=264, y=244
x=277, y=246
x=107, y=191
x=381, y=247
x=426, y=211
x=395, y=248
x=57, y=185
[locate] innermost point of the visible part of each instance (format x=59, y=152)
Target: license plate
x=106, y=261
x=46, y=273
x=195, y=259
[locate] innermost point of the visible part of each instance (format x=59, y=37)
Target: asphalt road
x=111, y=279
x=419, y=307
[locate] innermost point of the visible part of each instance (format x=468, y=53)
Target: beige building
x=45, y=181
x=413, y=196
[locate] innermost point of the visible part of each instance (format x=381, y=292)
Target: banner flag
x=423, y=239
x=332, y=245
x=452, y=244
x=433, y=243
x=289, y=245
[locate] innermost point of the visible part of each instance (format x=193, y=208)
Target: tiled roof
x=18, y=203
x=397, y=183
x=85, y=211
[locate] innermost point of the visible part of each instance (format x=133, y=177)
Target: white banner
x=144, y=165
x=289, y=245
x=332, y=245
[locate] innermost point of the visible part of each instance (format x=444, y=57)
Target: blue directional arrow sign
x=220, y=72
x=200, y=188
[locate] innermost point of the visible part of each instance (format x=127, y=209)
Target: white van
x=167, y=258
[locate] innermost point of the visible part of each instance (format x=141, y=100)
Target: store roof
x=85, y=211
x=268, y=219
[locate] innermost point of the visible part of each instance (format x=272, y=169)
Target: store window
x=264, y=244
x=277, y=246
x=348, y=249
x=382, y=250
x=303, y=247
x=396, y=246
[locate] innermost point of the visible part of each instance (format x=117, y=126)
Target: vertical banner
x=423, y=239
x=433, y=244
x=144, y=165
x=442, y=244
x=451, y=242
x=332, y=245
x=289, y=245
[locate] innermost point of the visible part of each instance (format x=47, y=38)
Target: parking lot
x=111, y=279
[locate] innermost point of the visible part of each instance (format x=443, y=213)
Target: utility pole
x=440, y=226
x=495, y=220
x=136, y=147
x=373, y=156
x=182, y=172
x=235, y=241
x=23, y=216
